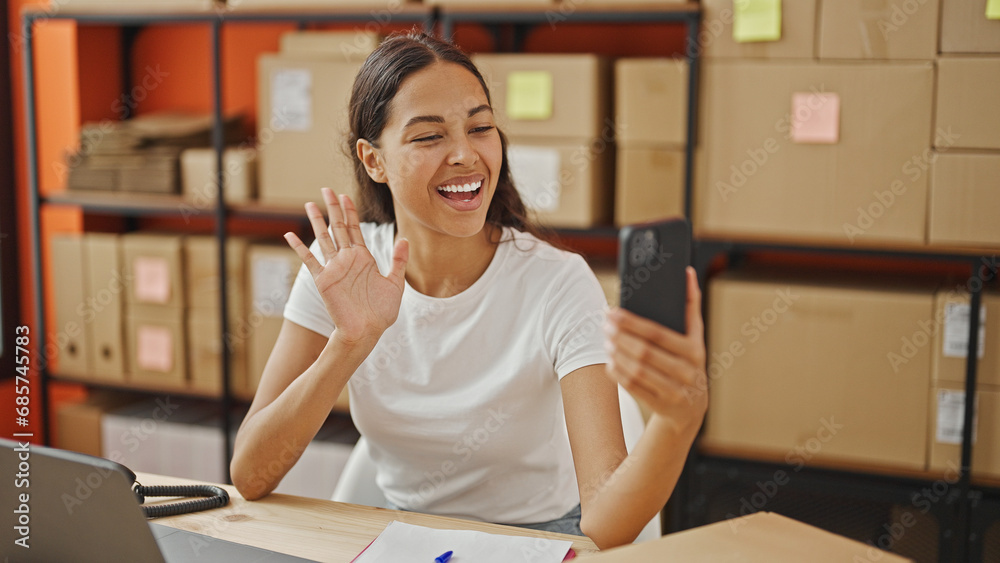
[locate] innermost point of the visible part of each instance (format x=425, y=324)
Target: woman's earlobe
x=370, y=159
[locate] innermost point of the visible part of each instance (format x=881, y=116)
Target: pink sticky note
x=815, y=117
x=154, y=348
x=152, y=279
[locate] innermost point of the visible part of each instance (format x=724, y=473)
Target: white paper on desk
x=406, y=543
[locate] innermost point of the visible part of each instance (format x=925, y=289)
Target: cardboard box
x=204, y=343
x=302, y=129
x=272, y=270
x=965, y=28
x=964, y=200
x=157, y=348
x=951, y=336
x=201, y=273
x=79, y=424
x=154, y=269
x=863, y=29
x=105, y=306
x=68, y=258
x=199, y=183
x=131, y=7
x=565, y=183
x=550, y=96
x=819, y=373
x=966, y=102
x=798, y=32
x=338, y=45
x=947, y=412
x=649, y=184
x=651, y=101
x=762, y=537
x=822, y=152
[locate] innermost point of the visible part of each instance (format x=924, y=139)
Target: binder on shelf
x=69, y=279
x=105, y=306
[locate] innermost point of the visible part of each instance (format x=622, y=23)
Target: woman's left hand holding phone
x=361, y=301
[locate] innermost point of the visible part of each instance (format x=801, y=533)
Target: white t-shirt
x=460, y=399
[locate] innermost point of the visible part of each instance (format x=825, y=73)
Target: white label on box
x=951, y=417
x=272, y=282
x=291, y=99
x=535, y=171
x=956, y=330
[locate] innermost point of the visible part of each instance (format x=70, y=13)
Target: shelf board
x=132, y=14
x=846, y=467
x=137, y=387
x=568, y=10
x=871, y=248
x=129, y=203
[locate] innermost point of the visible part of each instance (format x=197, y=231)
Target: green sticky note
x=756, y=20
x=993, y=9
x=529, y=95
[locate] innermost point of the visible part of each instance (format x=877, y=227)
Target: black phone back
x=652, y=259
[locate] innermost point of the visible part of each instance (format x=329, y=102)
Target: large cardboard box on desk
x=105, y=307
x=302, y=128
x=763, y=537
x=951, y=336
x=157, y=351
x=862, y=29
x=651, y=101
x=550, y=96
x=966, y=102
x=964, y=200
x=272, y=270
x=566, y=183
x=154, y=266
x=966, y=29
x=68, y=260
x=794, y=21
x=819, y=373
x=649, y=183
x=947, y=417
x=823, y=152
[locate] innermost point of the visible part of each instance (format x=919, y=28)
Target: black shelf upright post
x=34, y=205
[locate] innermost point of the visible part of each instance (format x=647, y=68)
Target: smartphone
x=652, y=262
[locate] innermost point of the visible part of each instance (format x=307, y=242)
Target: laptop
x=67, y=506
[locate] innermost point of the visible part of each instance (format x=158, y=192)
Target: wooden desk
x=321, y=530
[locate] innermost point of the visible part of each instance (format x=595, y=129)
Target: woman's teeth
x=461, y=187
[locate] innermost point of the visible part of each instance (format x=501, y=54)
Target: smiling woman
x=470, y=346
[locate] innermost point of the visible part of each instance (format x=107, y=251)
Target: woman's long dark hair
x=396, y=58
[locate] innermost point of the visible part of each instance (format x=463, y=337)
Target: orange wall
x=78, y=80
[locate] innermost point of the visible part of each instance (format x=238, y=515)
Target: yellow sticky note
x=529, y=95
x=756, y=20
x=993, y=9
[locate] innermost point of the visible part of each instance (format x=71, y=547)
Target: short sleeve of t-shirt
x=574, y=319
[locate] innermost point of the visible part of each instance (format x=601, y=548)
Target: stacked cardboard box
x=651, y=104
x=947, y=396
x=157, y=348
x=79, y=424
x=304, y=92
x=204, y=333
x=272, y=270
x=141, y=154
x=813, y=371
x=88, y=283
x=555, y=110
x=816, y=121
x=199, y=179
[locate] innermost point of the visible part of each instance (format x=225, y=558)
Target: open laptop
x=68, y=506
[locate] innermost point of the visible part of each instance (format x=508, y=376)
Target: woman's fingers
x=337, y=221
x=318, y=223
x=353, y=223
x=312, y=264
x=651, y=355
x=400, y=256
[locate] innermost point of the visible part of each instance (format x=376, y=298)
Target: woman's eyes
x=435, y=137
